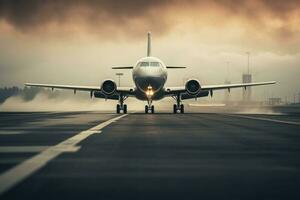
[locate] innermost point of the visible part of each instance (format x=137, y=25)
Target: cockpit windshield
x=144, y=64
x=155, y=64
x=149, y=64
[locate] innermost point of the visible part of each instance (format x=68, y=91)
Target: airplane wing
x=238, y=85
x=66, y=87
x=170, y=91
x=126, y=91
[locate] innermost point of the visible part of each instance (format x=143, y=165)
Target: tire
x=118, y=109
x=124, y=108
x=182, y=108
x=174, y=108
x=146, y=109
x=152, y=109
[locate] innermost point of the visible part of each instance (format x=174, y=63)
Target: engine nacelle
x=192, y=87
x=108, y=87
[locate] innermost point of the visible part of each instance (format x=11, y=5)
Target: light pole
x=119, y=75
x=248, y=66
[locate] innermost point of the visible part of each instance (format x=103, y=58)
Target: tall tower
x=247, y=78
x=227, y=81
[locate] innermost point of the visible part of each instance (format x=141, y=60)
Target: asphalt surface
x=139, y=156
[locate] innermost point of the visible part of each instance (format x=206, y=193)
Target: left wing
x=177, y=90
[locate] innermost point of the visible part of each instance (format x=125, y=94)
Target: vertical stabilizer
x=149, y=45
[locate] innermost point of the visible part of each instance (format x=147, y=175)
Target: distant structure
x=227, y=81
x=247, y=78
x=119, y=76
x=273, y=101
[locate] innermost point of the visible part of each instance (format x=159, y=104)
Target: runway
x=94, y=155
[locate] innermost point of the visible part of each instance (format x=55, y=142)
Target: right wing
x=67, y=87
x=96, y=90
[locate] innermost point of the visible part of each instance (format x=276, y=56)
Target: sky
x=77, y=42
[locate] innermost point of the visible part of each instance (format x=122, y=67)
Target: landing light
x=149, y=91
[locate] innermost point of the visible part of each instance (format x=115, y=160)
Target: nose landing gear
x=149, y=108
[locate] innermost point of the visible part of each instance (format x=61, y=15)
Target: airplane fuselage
x=149, y=75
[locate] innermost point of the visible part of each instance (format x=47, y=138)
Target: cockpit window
x=144, y=64
x=149, y=64
x=155, y=64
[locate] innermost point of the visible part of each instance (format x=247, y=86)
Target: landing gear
x=118, y=108
x=178, y=107
x=125, y=108
x=182, y=108
x=149, y=108
x=174, y=108
x=121, y=106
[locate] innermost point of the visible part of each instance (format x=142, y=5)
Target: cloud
x=277, y=18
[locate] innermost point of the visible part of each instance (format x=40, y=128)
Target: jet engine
x=192, y=87
x=108, y=87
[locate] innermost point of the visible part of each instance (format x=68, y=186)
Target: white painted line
x=8, y=132
x=22, y=149
x=20, y=172
x=206, y=105
x=265, y=119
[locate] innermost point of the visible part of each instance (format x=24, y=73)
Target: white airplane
x=150, y=75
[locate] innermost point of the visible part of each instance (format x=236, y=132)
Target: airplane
x=149, y=76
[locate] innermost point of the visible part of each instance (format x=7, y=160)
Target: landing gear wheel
x=146, y=109
x=118, y=108
x=181, y=108
x=174, y=108
x=124, y=108
x=152, y=109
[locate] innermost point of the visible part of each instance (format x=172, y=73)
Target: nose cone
x=149, y=76
x=144, y=82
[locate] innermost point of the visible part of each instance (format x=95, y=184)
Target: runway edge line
x=263, y=119
x=20, y=172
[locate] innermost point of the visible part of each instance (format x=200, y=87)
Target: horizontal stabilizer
x=175, y=67
x=127, y=67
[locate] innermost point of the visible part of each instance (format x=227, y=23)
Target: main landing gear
x=178, y=107
x=121, y=106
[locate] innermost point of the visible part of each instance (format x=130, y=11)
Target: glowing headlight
x=149, y=91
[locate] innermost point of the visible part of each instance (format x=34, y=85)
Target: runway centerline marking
x=20, y=172
x=264, y=119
